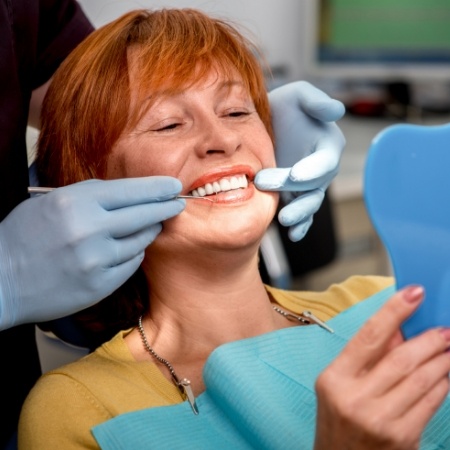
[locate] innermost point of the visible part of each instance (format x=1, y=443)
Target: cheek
x=270, y=160
x=124, y=161
x=131, y=159
x=271, y=202
x=263, y=148
x=115, y=167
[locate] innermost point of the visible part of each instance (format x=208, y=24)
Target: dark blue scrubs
x=35, y=36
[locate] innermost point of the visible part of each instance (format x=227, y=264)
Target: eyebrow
x=229, y=84
x=223, y=85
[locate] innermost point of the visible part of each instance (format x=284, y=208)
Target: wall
x=277, y=25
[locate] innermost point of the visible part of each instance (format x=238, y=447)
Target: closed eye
x=236, y=113
x=168, y=127
x=239, y=113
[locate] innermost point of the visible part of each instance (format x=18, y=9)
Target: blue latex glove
x=308, y=150
x=64, y=251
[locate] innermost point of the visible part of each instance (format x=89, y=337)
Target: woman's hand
x=381, y=391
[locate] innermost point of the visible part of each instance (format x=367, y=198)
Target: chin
x=211, y=239
x=226, y=229
x=240, y=228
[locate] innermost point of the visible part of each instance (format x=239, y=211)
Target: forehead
x=146, y=87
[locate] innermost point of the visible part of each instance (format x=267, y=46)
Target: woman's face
x=211, y=138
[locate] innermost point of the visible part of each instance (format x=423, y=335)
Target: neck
x=199, y=302
x=211, y=299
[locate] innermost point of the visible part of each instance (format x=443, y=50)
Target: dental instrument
x=45, y=190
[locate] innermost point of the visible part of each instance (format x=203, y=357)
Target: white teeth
x=223, y=185
x=234, y=182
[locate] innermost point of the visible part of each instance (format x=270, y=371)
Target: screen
x=380, y=38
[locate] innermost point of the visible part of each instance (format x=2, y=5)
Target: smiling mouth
x=223, y=185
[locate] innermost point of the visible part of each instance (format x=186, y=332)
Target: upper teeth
x=222, y=185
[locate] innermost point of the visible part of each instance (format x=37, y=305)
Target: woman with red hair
x=203, y=353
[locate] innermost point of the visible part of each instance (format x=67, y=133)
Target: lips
x=221, y=180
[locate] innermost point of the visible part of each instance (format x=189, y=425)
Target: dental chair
x=407, y=193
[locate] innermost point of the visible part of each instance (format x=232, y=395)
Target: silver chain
x=154, y=354
x=183, y=385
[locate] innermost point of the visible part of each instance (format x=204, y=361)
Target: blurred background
x=388, y=61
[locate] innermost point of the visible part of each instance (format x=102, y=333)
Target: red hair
x=88, y=104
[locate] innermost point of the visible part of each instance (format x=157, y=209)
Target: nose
x=217, y=135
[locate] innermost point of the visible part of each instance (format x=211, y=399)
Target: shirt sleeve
x=62, y=26
x=57, y=414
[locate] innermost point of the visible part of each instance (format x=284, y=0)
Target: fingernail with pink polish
x=445, y=333
x=413, y=294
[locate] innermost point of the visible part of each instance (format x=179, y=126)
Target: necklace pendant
x=306, y=317
x=317, y=321
x=185, y=387
x=291, y=316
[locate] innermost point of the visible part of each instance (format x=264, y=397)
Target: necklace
x=183, y=385
x=306, y=317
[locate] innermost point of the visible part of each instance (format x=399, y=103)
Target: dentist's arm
x=64, y=251
x=308, y=150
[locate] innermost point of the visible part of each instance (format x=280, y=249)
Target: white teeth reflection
x=223, y=185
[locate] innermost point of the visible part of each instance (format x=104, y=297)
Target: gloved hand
x=308, y=151
x=64, y=251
